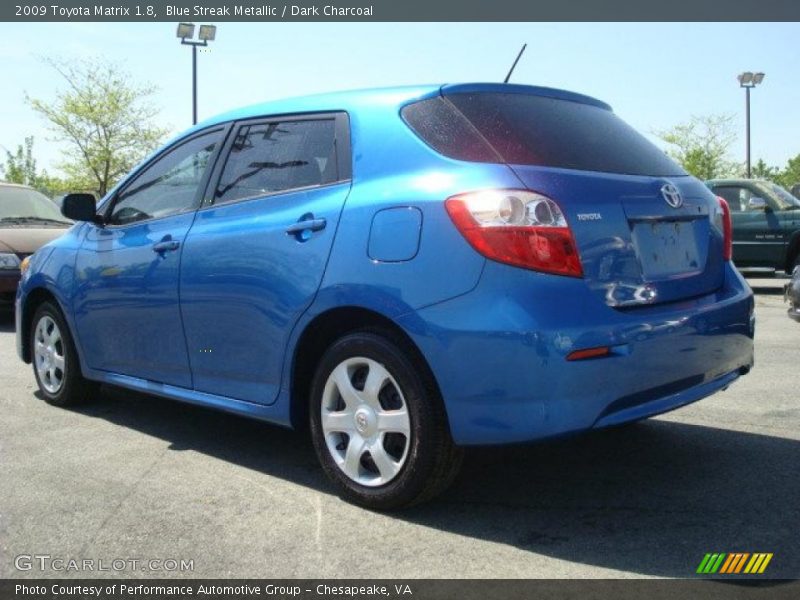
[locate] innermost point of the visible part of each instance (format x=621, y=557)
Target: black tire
x=431, y=460
x=73, y=388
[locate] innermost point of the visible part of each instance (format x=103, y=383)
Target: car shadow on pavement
x=763, y=290
x=650, y=498
x=6, y=320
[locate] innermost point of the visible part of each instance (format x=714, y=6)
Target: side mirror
x=79, y=207
x=756, y=203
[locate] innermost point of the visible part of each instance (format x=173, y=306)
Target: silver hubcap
x=365, y=421
x=49, y=355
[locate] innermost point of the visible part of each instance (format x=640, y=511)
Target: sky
x=654, y=75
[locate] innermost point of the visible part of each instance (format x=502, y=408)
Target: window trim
x=108, y=207
x=341, y=144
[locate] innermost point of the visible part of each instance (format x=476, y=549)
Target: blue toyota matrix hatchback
x=406, y=271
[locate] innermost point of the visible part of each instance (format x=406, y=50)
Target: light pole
x=748, y=81
x=206, y=34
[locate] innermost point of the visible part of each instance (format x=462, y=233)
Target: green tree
x=702, y=144
x=761, y=170
x=51, y=185
x=105, y=120
x=20, y=167
x=790, y=175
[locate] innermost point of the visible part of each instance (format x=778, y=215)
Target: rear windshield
x=524, y=129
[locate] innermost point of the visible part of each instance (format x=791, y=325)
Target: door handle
x=306, y=225
x=166, y=246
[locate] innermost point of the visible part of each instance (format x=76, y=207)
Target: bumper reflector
x=589, y=353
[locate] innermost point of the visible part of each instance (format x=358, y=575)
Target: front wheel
x=55, y=361
x=378, y=423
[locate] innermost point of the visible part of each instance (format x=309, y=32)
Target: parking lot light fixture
x=748, y=80
x=185, y=30
x=207, y=33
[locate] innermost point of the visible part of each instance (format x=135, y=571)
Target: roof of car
x=393, y=98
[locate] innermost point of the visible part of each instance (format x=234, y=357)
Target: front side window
x=168, y=186
x=266, y=158
x=783, y=199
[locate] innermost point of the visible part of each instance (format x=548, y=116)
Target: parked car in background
x=795, y=191
x=766, y=223
x=406, y=271
x=791, y=294
x=28, y=220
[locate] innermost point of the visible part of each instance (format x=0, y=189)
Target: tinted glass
x=272, y=157
x=785, y=199
x=24, y=203
x=168, y=186
x=443, y=127
x=737, y=197
x=535, y=130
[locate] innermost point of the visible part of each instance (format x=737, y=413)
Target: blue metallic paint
x=495, y=337
x=123, y=286
x=394, y=234
x=245, y=282
x=500, y=360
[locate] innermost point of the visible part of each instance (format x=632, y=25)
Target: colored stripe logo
x=734, y=563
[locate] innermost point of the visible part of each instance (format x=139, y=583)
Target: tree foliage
x=20, y=167
x=762, y=170
x=790, y=175
x=105, y=120
x=787, y=177
x=702, y=145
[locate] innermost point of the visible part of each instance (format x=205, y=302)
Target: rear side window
x=271, y=157
x=736, y=196
x=525, y=129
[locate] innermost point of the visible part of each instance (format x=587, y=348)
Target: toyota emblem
x=671, y=195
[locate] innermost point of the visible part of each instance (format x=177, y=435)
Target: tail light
x=517, y=227
x=725, y=225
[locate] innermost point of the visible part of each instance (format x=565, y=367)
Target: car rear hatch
x=646, y=232
x=636, y=248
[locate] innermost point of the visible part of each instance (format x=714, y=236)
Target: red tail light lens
x=517, y=227
x=727, y=229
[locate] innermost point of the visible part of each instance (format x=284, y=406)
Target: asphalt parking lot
x=135, y=477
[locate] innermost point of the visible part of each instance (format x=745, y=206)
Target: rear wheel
x=378, y=425
x=55, y=361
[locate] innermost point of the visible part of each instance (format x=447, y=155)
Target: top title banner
x=402, y=10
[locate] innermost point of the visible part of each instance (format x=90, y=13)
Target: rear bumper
x=499, y=354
